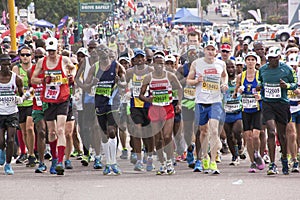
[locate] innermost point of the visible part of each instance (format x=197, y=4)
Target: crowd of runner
x=175, y=93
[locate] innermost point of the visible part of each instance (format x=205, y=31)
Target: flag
x=131, y=5
x=62, y=22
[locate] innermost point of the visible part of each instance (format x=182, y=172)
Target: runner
x=25, y=109
x=139, y=113
x=55, y=95
x=161, y=111
x=209, y=76
x=38, y=114
x=10, y=84
x=275, y=79
x=106, y=75
x=233, y=119
x=245, y=86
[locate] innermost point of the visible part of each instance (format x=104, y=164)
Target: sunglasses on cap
x=223, y=51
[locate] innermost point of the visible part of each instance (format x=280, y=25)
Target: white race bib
x=272, y=91
x=52, y=92
x=249, y=101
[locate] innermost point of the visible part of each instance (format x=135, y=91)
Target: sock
x=53, y=145
x=61, y=153
x=113, y=149
x=106, y=152
x=21, y=142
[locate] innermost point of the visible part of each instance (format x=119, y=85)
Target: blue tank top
x=248, y=95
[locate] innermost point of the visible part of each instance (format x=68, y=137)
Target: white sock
x=106, y=152
x=113, y=150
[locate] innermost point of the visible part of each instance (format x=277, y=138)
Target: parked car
x=232, y=22
x=284, y=34
x=260, y=32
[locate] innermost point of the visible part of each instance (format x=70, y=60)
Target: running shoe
x=47, y=155
x=183, y=156
x=68, y=164
x=198, y=166
x=190, y=157
x=162, y=170
x=260, y=163
x=124, y=154
x=224, y=148
x=115, y=169
x=59, y=169
x=97, y=163
x=53, y=166
x=272, y=169
x=170, y=168
x=206, y=165
x=21, y=159
x=266, y=159
x=285, y=166
x=138, y=166
x=150, y=166
x=234, y=161
x=31, y=161
x=74, y=154
x=85, y=160
x=106, y=170
x=41, y=169
x=214, y=168
x=8, y=170
x=252, y=168
x=295, y=168
x=2, y=157
x=133, y=158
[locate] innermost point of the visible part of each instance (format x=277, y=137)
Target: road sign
x=95, y=7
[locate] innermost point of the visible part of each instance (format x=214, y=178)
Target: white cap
x=252, y=54
x=293, y=59
x=51, y=44
x=170, y=58
x=83, y=51
x=239, y=61
x=274, y=52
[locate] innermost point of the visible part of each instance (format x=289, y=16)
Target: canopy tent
x=191, y=19
x=21, y=29
x=43, y=23
x=182, y=13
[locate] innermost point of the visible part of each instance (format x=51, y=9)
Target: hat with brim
x=51, y=44
x=211, y=43
x=84, y=51
x=293, y=59
x=273, y=52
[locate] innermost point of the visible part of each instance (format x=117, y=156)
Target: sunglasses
x=25, y=54
x=38, y=57
x=225, y=51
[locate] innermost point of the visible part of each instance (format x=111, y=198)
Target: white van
x=225, y=9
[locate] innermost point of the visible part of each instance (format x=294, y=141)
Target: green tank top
x=25, y=79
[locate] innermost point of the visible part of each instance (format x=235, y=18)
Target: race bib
x=161, y=98
x=37, y=96
x=136, y=88
x=52, y=92
x=104, y=90
x=272, y=91
x=249, y=101
x=189, y=92
x=56, y=78
x=7, y=98
x=232, y=106
x=210, y=84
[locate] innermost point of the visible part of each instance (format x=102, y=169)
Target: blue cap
x=139, y=52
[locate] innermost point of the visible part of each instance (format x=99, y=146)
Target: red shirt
x=37, y=101
x=57, y=90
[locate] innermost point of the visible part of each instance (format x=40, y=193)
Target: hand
x=283, y=84
x=224, y=87
x=71, y=79
x=95, y=81
x=19, y=100
x=258, y=88
x=199, y=78
x=178, y=108
x=149, y=99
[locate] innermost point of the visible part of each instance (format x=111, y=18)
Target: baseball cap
x=191, y=47
x=225, y=47
x=84, y=51
x=51, y=44
x=170, y=58
x=5, y=57
x=211, y=43
x=239, y=61
x=293, y=59
x=124, y=58
x=245, y=42
x=160, y=52
x=139, y=52
x=251, y=54
x=273, y=52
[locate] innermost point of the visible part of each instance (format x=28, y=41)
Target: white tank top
x=209, y=91
x=87, y=69
x=8, y=91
